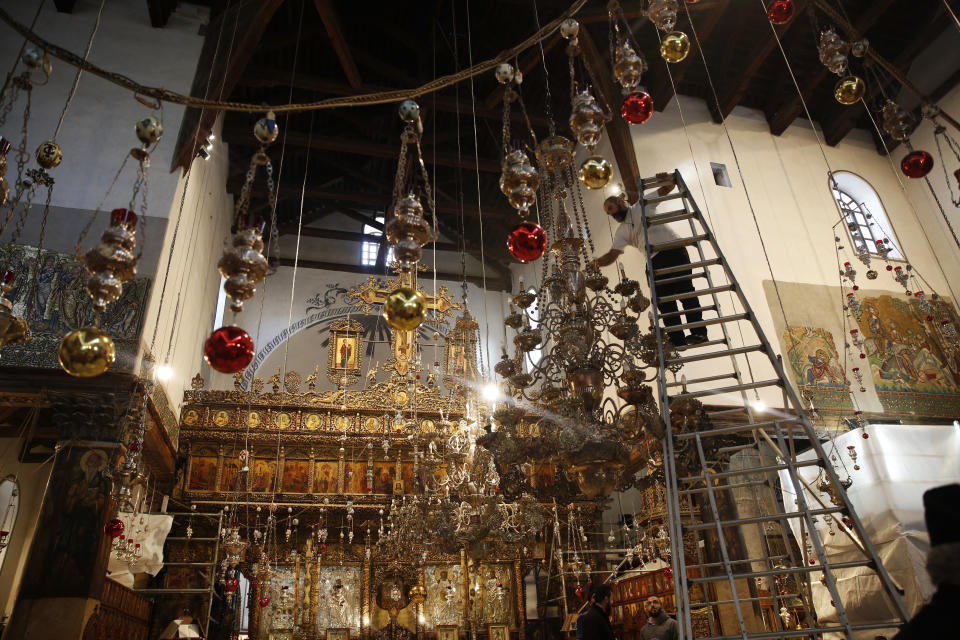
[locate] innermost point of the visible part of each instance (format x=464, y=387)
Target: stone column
x=66, y=567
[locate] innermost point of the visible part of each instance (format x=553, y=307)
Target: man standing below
x=630, y=232
x=594, y=624
x=659, y=625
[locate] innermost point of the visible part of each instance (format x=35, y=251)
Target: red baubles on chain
x=264, y=602
x=527, y=241
x=781, y=11
x=228, y=349
x=916, y=164
x=231, y=584
x=113, y=528
x=637, y=107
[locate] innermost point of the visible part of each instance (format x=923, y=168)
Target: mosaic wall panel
x=60, y=304
x=812, y=356
x=915, y=370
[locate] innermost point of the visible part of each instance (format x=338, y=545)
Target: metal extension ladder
x=728, y=554
x=211, y=523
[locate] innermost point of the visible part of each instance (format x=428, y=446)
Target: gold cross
x=373, y=292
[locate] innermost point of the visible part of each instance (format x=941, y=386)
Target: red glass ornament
x=668, y=573
x=254, y=583
x=133, y=447
x=228, y=349
x=866, y=435
x=527, y=242
x=264, y=601
x=114, y=527
x=781, y=11
x=637, y=107
x=916, y=164
x=579, y=591
x=123, y=217
x=231, y=584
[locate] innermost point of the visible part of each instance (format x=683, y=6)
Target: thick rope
x=379, y=97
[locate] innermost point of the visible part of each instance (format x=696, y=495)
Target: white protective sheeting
x=897, y=464
x=150, y=531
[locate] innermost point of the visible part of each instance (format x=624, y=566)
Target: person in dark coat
x=938, y=618
x=594, y=624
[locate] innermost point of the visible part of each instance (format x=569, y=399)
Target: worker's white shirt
x=630, y=232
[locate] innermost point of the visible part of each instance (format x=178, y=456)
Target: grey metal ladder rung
x=786, y=423
x=722, y=376
x=736, y=317
x=707, y=565
x=773, y=572
x=673, y=314
x=670, y=216
x=745, y=386
x=736, y=485
x=709, y=262
x=679, y=242
x=658, y=181
x=673, y=195
x=687, y=278
x=696, y=294
x=751, y=470
x=700, y=345
x=739, y=522
x=715, y=354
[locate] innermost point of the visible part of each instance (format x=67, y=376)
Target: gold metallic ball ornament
x=849, y=90
x=405, y=309
x=675, y=46
x=148, y=130
x=86, y=352
x=49, y=155
x=595, y=172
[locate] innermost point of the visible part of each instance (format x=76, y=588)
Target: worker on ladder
x=630, y=232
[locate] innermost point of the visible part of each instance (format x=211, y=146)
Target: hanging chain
x=509, y=95
x=43, y=231
x=19, y=82
x=23, y=158
x=942, y=131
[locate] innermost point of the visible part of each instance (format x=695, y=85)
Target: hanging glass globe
x=675, y=46
x=595, y=172
x=228, y=349
x=405, y=309
x=916, y=164
x=637, y=107
x=781, y=11
x=849, y=90
x=86, y=352
x=527, y=241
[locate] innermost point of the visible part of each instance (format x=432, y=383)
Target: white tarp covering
x=897, y=464
x=150, y=531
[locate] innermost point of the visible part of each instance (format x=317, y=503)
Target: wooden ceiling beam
x=734, y=93
x=498, y=283
x=845, y=118
x=621, y=140
x=218, y=71
x=663, y=91
x=363, y=148
x=264, y=78
x=331, y=21
x=791, y=107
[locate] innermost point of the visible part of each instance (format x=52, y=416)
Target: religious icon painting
x=230, y=474
x=325, y=477
x=221, y=418
x=448, y=632
x=312, y=421
x=371, y=423
x=282, y=420
x=345, y=352
x=203, y=473
x=296, y=476
x=342, y=423
x=264, y=472
x=338, y=634
x=191, y=417
x=498, y=632
x=253, y=419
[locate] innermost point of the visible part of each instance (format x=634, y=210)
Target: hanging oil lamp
x=519, y=180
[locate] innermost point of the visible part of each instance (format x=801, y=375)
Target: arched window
x=864, y=215
x=9, y=505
